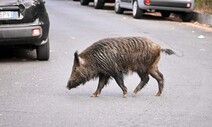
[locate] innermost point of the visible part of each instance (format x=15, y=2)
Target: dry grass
x=203, y=6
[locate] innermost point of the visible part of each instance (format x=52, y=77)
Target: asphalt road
x=33, y=93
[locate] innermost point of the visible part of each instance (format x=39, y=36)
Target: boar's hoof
x=95, y=95
x=134, y=94
x=158, y=94
x=125, y=95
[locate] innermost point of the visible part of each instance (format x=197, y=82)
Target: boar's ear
x=76, y=58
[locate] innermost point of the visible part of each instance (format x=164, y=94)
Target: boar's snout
x=68, y=85
x=72, y=84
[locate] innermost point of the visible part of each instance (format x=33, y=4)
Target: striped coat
x=114, y=57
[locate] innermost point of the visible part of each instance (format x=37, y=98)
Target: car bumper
x=167, y=6
x=21, y=33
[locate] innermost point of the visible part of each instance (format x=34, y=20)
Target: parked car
x=98, y=4
x=165, y=7
x=25, y=23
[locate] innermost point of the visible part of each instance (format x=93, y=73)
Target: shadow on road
x=14, y=54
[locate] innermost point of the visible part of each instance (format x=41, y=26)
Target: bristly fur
x=114, y=57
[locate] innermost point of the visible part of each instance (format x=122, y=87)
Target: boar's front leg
x=103, y=80
x=120, y=81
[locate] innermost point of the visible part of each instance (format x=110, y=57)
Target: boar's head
x=80, y=72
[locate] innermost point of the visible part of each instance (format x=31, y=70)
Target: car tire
x=165, y=14
x=187, y=17
x=99, y=4
x=117, y=7
x=43, y=52
x=137, y=12
x=84, y=2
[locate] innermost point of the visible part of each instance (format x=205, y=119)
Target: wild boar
x=113, y=58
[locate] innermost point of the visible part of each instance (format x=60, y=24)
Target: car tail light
x=188, y=5
x=36, y=32
x=147, y=2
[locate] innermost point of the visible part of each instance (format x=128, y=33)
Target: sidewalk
x=203, y=18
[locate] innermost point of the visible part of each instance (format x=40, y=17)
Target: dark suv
x=25, y=23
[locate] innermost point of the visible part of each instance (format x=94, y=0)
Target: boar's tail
x=168, y=51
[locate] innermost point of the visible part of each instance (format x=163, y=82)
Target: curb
x=202, y=18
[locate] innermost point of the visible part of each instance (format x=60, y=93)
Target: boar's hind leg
x=155, y=73
x=103, y=80
x=144, y=79
x=120, y=81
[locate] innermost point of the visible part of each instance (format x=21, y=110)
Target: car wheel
x=165, y=14
x=187, y=17
x=137, y=12
x=43, y=51
x=84, y=2
x=117, y=7
x=98, y=4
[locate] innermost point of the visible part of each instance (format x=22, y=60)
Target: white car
x=165, y=7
